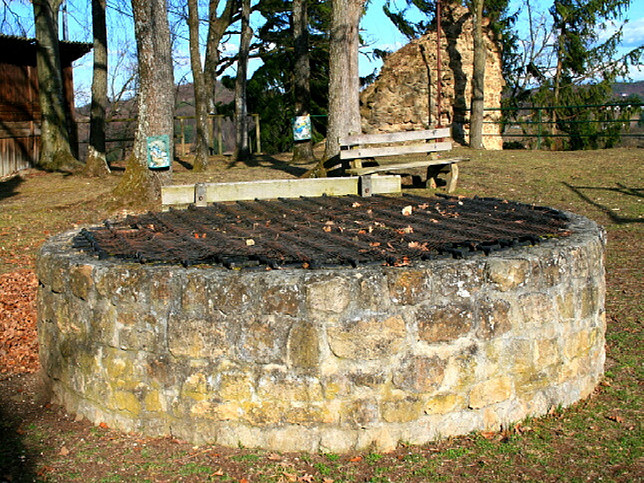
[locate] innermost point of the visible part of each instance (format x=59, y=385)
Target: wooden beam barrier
x=202, y=193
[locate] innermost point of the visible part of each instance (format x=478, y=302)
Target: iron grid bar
x=326, y=231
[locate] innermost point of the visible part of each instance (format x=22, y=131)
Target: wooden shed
x=19, y=106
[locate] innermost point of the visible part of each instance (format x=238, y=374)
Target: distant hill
x=121, y=134
x=626, y=89
x=184, y=95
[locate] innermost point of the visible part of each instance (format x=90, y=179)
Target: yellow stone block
x=548, y=352
x=152, y=401
x=126, y=401
x=235, y=387
x=401, y=411
x=195, y=387
x=115, y=367
x=444, y=403
x=490, y=392
x=577, y=345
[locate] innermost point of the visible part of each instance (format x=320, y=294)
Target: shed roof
x=22, y=50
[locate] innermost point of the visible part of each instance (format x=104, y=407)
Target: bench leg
x=432, y=174
x=452, y=177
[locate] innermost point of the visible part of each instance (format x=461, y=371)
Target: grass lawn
x=599, y=438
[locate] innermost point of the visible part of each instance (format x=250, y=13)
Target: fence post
x=183, y=137
x=538, y=128
x=257, y=134
x=220, y=136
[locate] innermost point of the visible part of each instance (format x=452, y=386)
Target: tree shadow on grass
x=16, y=460
x=9, y=186
x=270, y=162
x=620, y=188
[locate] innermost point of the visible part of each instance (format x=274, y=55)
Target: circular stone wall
x=324, y=360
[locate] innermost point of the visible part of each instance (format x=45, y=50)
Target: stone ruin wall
x=402, y=99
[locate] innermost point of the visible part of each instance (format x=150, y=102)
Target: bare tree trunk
x=478, y=78
x=242, y=150
x=344, y=82
x=557, y=85
x=302, y=150
x=96, y=163
x=55, y=152
x=201, y=97
x=155, y=102
x=216, y=30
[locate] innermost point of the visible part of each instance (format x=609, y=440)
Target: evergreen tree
x=585, y=67
x=271, y=89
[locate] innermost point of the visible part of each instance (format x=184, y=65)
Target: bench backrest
x=398, y=143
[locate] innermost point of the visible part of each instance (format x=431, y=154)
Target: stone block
x=420, y=374
x=334, y=440
x=408, y=286
x=491, y=392
x=444, y=323
x=379, y=439
x=566, y=303
x=284, y=300
x=548, y=352
x=263, y=340
x=331, y=295
x=461, y=369
x=143, y=335
x=374, y=292
x=152, y=401
x=589, y=301
x=444, y=403
x=293, y=438
x=507, y=274
x=235, y=386
x=401, y=410
x=194, y=337
x=493, y=318
x=277, y=385
x=228, y=293
x=360, y=413
x=126, y=401
x=164, y=287
x=81, y=282
x=537, y=309
x=366, y=378
x=122, y=284
x=550, y=268
x=303, y=346
x=194, y=293
x=367, y=339
x=577, y=344
x=458, y=281
x=196, y=388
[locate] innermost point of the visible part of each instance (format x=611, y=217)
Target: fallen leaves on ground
x=18, y=341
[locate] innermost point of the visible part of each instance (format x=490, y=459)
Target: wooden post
x=258, y=140
x=183, y=137
x=220, y=136
x=211, y=129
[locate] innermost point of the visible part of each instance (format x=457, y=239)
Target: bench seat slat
x=395, y=150
x=398, y=166
x=394, y=137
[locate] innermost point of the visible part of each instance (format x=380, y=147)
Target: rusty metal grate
x=322, y=232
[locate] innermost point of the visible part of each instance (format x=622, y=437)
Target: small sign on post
x=158, y=151
x=302, y=128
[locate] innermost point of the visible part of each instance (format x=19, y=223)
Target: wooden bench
x=383, y=153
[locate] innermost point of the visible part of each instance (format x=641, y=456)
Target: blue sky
x=377, y=31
